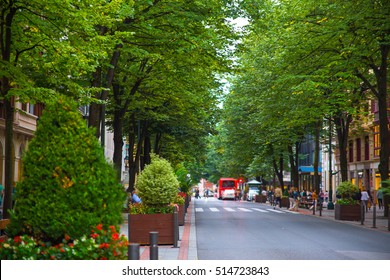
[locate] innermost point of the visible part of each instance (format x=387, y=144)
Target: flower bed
x=101, y=244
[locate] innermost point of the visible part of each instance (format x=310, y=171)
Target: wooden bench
x=305, y=203
x=3, y=225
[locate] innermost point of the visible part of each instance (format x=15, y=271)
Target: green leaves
x=68, y=186
x=157, y=184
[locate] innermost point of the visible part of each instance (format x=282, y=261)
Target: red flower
x=104, y=245
x=62, y=250
x=67, y=237
x=115, y=236
x=99, y=227
x=94, y=235
x=17, y=239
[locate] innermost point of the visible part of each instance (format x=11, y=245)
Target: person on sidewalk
x=135, y=198
x=314, y=198
x=379, y=196
x=364, y=198
x=278, y=197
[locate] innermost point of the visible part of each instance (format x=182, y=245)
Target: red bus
x=227, y=188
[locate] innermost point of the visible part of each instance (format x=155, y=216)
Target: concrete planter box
x=141, y=224
x=347, y=212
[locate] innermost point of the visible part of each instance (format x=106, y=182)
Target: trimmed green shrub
x=68, y=187
x=347, y=190
x=157, y=184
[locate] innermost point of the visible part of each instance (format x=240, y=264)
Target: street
x=251, y=231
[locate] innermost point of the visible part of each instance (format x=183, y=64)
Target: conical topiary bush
x=67, y=187
x=157, y=184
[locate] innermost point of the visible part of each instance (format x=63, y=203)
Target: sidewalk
x=381, y=222
x=187, y=248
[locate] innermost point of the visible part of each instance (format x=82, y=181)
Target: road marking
x=229, y=209
x=260, y=210
x=276, y=211
x=214, y=209
x=245, y=209
x=199, y=210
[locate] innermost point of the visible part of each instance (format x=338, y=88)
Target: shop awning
x=308, y=169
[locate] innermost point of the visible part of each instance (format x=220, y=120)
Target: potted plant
x=285, y=200
x=179, y=202
x=157, y=186
x=347, y=207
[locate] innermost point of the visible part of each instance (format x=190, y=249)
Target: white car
x=228, y=194
x=251, y=194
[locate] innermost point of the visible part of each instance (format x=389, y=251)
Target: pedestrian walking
x=364, y=198
x=197, y=194
x=314, y=198
x=379, y=196
x=278, y=197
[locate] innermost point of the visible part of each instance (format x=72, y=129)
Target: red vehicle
x=227, y=188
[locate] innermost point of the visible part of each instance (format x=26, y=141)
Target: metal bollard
x=374, y=216
x=133, y=252
x=314, y=207
x=153, y=249
x=388, y=222
x=175, y=227
x=321, y=208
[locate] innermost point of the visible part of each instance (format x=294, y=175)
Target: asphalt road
x=233, y=230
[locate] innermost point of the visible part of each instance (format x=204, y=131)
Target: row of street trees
x=308, y=67
x=148, y=68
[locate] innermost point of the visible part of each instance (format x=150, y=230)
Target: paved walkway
x=187, y=246
x=381, y=222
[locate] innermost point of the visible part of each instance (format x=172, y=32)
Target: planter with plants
x=347, y=207
x=180, y=202
x=157, y=186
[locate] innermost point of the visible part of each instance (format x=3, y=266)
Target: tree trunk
x=294, y=166
x=381, y=75
x=6, y=39
x=8, y=165
x=118, y=141
x=342, y=123
x=317, y=157
x=157, y=141
x=279, y=171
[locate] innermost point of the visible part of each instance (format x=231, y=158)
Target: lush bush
x=141, y=208
x=347, y=201
x=157, y=184
x=68, y=187
x=100, y=244
x=347, y=190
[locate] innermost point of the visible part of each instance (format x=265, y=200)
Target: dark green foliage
x=67, y=187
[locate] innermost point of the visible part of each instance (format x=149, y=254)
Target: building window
x=367, y=148
x=358, y=149
x=350, y=150
x=31, y=109
x=377, y=145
